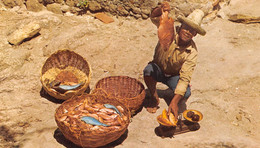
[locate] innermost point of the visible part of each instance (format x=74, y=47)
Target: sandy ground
x=225, y=84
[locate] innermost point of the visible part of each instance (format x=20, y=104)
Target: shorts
x=154, y=70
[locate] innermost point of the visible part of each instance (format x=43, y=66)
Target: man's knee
x=146, y=72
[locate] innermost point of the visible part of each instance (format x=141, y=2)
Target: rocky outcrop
x=133, y=8
x=12, y=3
x=34, y=5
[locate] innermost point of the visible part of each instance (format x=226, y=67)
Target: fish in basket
x=65, y=74
x=92, y=120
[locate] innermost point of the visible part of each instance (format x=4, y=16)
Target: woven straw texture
x=99, y=91
x=127, y=90
x=90, y=138
x=65, y=65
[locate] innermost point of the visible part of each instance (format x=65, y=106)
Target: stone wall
x=133, y=8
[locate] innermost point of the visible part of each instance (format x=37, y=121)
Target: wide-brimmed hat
x=194, y=20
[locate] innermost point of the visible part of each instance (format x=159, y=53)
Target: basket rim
x=123, y=76
x=64, y=50
x=134, y=102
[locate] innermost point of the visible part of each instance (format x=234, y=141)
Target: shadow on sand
x=68, y=144
x=45, y=95
x=169, y=132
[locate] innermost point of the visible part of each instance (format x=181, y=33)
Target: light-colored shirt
x=177, y=61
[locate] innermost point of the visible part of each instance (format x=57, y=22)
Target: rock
x=136, y=10
x=210, y=17
x=25, y=32
x=112, y=9
x=94, y=6
x=52, y=1
x=241, y=18
x=222, y=14
x=122, y=11
x=185, y=8
x=65, y=8
x=144, y=16
x=104, y=18
x=15, y=9
x=59, y=1
x=33, y=5
x=55, y=8
x=12, y=3
x=69, y=14
x=137, y=16
x=2, y=7
x=71, y=3
x=146, y=11
x=21, y=9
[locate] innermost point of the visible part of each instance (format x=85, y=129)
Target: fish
x=70, y=87
x=112, y=107
x=92, y=121
x=120, y=108
x=108, y=111
x=63, y=118
x=104, y=115
x=64, y=88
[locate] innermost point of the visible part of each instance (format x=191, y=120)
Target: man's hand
x=173, y=107
x=157, y=11
x=165, y=6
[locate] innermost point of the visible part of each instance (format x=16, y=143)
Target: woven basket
x=82, y=136
x=65, y=65
x=99, y=91
x=127, y=90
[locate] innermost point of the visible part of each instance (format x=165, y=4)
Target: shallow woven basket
x=127, y=90
x=84, y=137
x=65, y=61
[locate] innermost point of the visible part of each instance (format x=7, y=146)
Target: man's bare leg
x=154, y=101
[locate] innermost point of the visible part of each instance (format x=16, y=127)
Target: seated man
x=175, y=56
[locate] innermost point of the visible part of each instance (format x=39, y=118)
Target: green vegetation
x=82, y=4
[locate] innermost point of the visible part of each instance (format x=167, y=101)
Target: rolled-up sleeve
x=186, y=73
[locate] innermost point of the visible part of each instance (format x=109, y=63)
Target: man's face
x=186, y=33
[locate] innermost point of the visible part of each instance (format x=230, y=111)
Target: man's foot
x=152, y=105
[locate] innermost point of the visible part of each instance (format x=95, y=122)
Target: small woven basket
x=89, y=138
x=125, y=89
x=65, y=66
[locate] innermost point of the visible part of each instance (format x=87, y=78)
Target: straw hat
x=194, y=20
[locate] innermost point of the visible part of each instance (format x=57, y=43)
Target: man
x=175, y=57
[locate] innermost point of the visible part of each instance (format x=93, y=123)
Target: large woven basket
x=82, y=136
x=127, y=90
x=65, y=65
